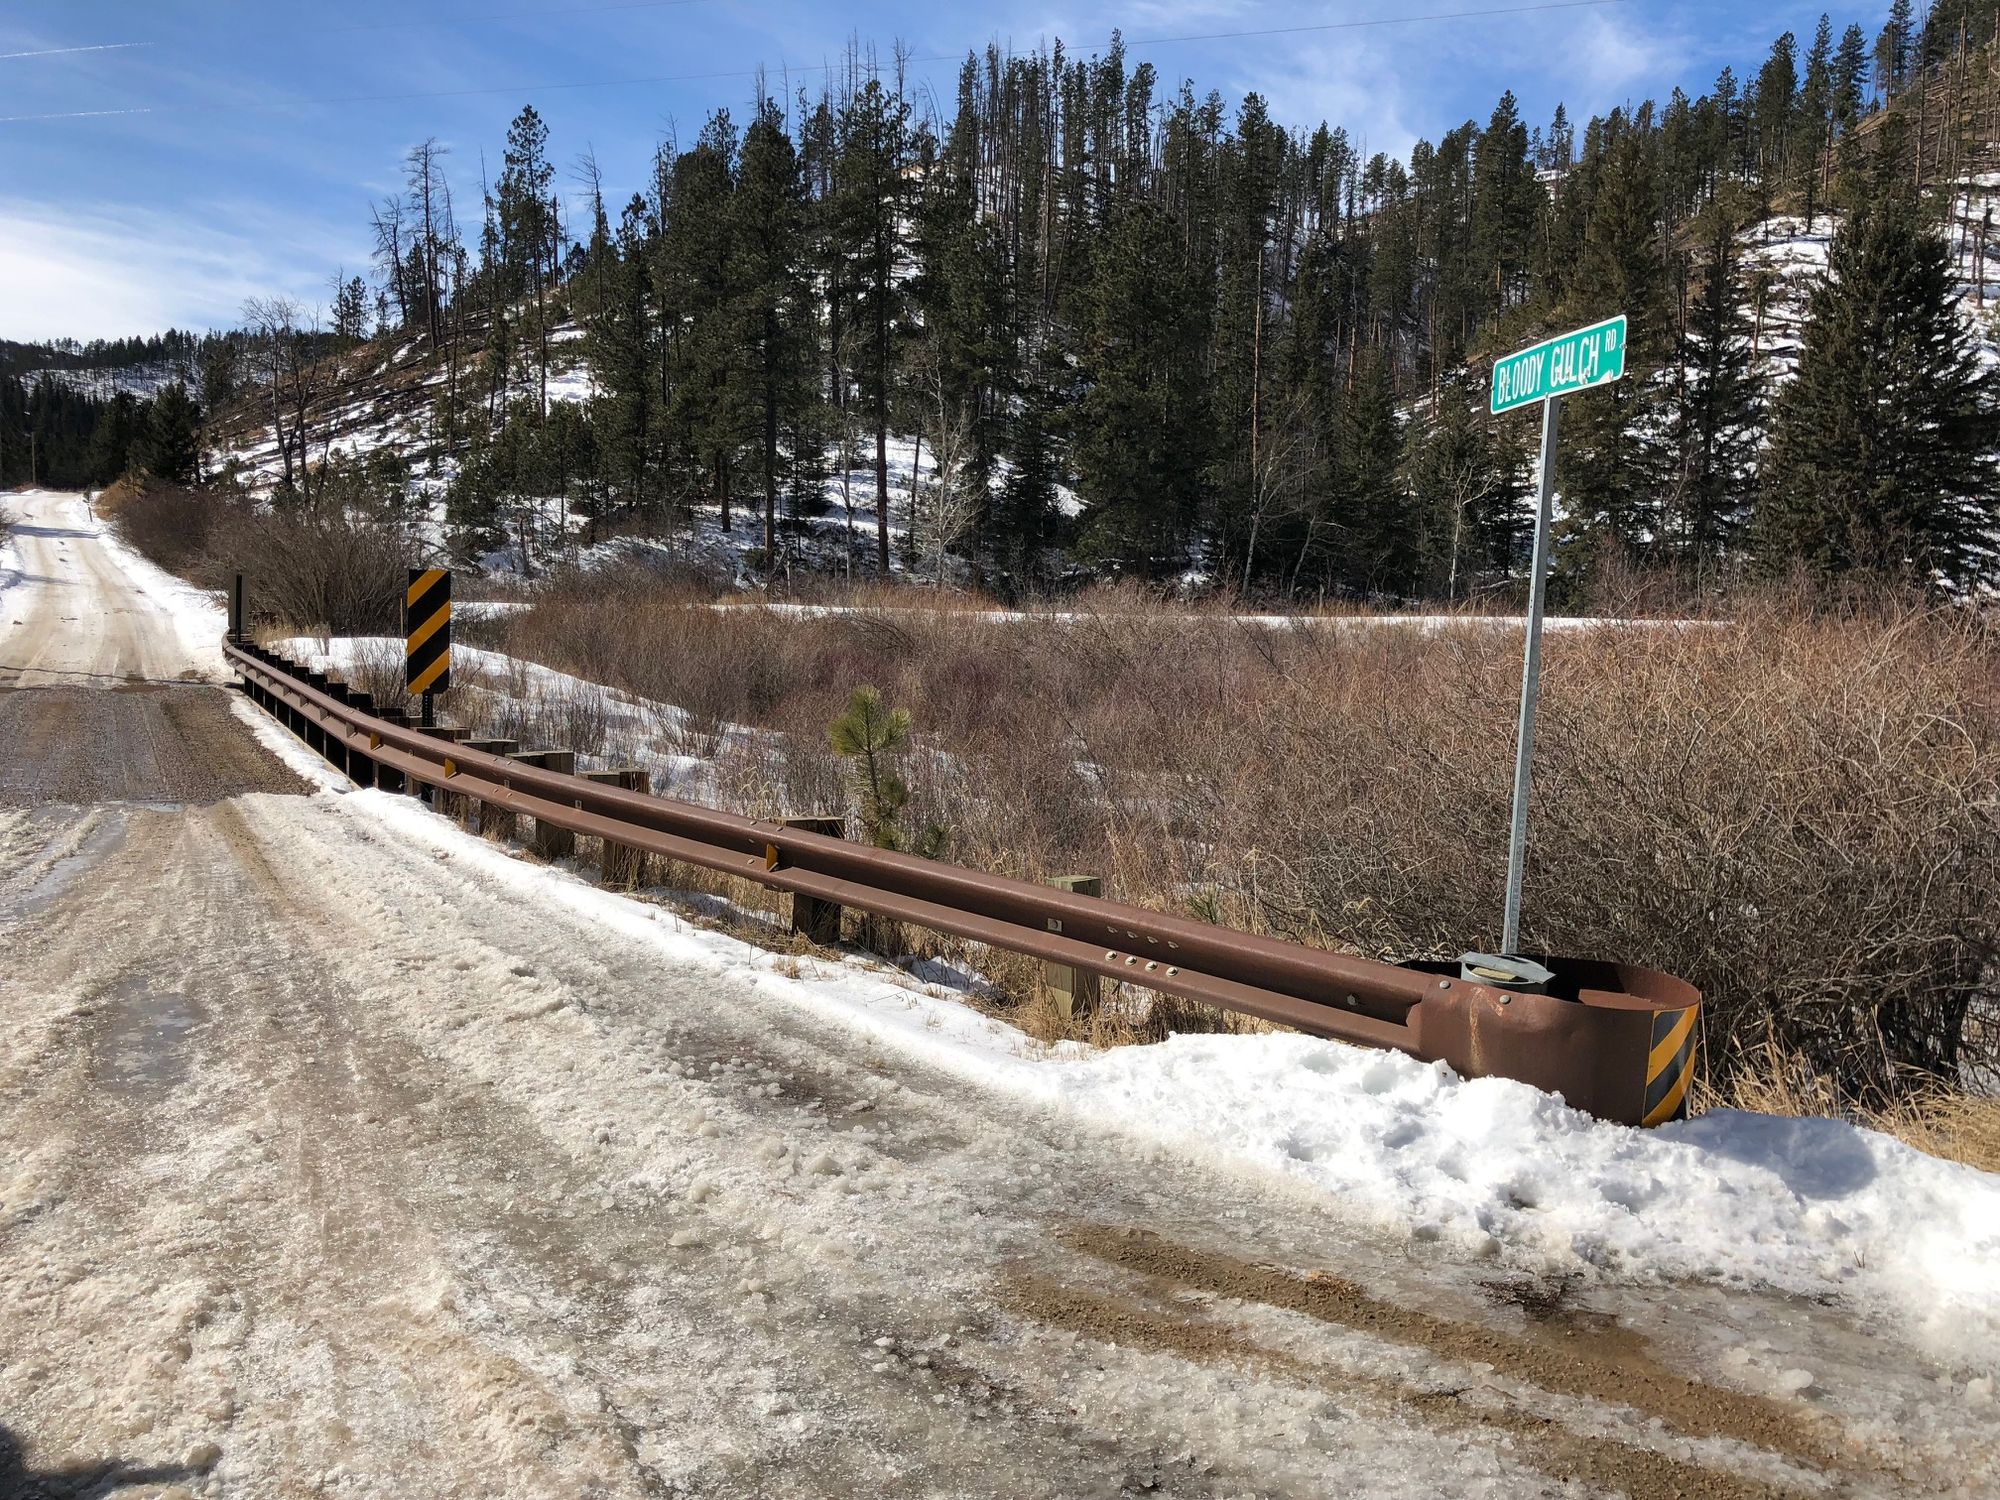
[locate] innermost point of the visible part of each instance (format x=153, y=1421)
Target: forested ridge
x=1137, y=329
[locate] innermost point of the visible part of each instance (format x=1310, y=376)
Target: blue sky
x=235, y=182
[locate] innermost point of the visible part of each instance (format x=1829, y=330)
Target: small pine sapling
x=870, y=736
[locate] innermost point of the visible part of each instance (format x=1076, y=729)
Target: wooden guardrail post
x=389, y=778
x=361, y=767
x=816, y=920
x=334, y=746
x=309, y=728
x=1074, y=991
x=621, y=866
x=478, y=814
x=550, y=842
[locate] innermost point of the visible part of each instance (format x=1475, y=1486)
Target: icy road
x=342, y=1154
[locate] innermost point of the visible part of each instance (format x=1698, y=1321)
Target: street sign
x=1561, y=366
x=1546, y=373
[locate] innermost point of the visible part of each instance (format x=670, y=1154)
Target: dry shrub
x=1796, y=813
x=315, y=569
x=1794, y=810
x=173, y=527
x=304, y=570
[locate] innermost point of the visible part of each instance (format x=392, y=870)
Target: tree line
x=1130, y=329
x=53, y=434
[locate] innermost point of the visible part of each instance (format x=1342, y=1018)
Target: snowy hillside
x=144, y=381
x=388, y=402
x=1782, y=259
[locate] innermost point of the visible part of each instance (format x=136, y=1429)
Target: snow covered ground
x=1492, y=1168
x=351, y=1154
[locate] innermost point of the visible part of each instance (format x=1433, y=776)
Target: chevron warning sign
x=427, y=623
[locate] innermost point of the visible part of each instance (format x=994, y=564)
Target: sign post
x=1546, y=373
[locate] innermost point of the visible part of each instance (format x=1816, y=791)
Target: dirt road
x=344, y=1164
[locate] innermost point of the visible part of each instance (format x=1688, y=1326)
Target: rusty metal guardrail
x=1613, y=1039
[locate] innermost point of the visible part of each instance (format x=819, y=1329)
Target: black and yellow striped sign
x=427, y=623
x=1670, y=1064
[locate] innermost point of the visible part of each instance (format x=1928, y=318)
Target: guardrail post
x=315, y=737
x=236, y=610
x=334, y=746
x=442, y=800
x=477, y=812
x=620, y=866
x=550, y=842
x=1073, y=991
x=813, y=919
x=361, y=767
x=389, y=778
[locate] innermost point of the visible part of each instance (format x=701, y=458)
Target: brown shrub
x=170, y=525
x=1794, y=810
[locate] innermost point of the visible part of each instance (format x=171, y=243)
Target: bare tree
x=271, y=321
x=430, y=202
x=387, y=217
x=1277, y=474
x=953, y=507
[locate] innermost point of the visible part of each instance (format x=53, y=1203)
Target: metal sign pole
x=1531, y=686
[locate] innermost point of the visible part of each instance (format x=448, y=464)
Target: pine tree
x=1613, y=467
x=769, y=211
x=1506, y=205
x=699, y=258
x=872, y=737
x=618, y=342
x=1718, y=413
x=529, y=233
x=1893, y=50
x=1379, y=548
x=171, y=446
x=872, y=213
x=1142, y=431
x=1882, y=456
x=1850, y=79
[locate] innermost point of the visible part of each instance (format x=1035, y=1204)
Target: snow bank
x=11, y=571
x=1810, y=1206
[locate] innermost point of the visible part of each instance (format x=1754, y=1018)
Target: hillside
x=385, y=402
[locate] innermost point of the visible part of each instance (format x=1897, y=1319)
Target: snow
x=196, y=619
x=1425, y=624
x=1486, y=1167
x=11, y=570
x=143, y=380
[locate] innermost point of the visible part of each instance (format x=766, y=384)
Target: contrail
x=59, y=51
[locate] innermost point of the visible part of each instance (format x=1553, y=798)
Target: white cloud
x=1611, y=54
x=1347, y=82
x=102, y=273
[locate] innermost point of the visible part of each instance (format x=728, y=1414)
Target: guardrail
x=1613, y=1039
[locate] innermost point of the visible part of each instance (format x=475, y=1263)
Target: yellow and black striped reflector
x=1670, y=1064
x=427, y=622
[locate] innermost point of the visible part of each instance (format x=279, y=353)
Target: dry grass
x=1798, y=811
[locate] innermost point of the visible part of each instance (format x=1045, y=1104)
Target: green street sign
x=1572, y=362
